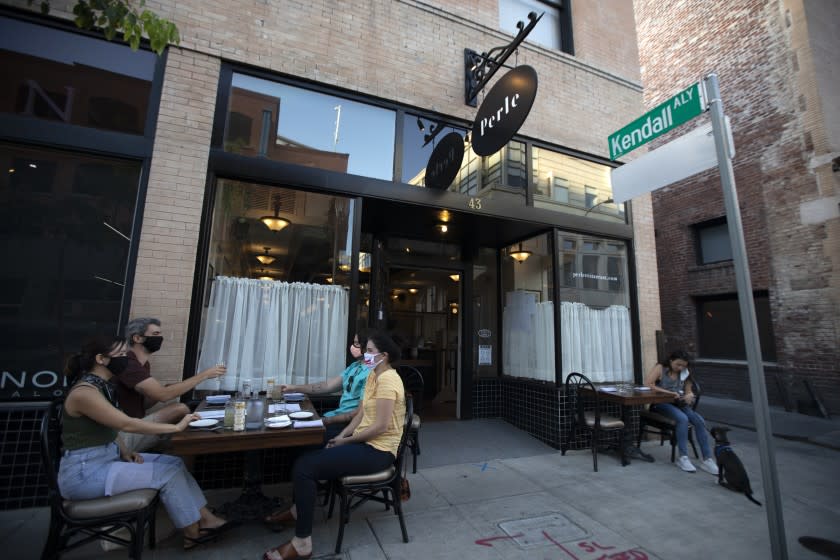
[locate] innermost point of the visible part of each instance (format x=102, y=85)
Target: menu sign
x=504, y=110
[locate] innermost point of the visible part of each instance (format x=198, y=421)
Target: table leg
x=252, y=503
x=629, y=450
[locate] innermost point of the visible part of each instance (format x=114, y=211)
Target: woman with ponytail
x=95, y=463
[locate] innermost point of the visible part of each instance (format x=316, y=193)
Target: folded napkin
x=212, y=414
x=607, y=389
x=284, y=408
x=309, y=423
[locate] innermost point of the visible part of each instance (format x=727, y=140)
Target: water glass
x=246, y=388
x=270, y=384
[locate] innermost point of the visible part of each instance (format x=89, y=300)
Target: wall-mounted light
x=455, y=277
x=453, y=307
x=520, y=255
x=275, y=222
x=442, y=228
x=266, y=258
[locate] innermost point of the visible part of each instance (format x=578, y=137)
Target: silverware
x=216, y=429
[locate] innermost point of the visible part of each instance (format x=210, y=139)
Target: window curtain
x=292, y=332
x=596, y=342
x=528, y=341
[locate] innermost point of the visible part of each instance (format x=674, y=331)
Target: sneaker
x=685, y=464
x=709, y=466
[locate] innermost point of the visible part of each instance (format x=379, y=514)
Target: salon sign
x=504, y=110
x=41, y=384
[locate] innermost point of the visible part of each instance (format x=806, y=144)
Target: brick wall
x=760, y=50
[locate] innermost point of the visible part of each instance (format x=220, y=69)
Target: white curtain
x=528, y=336
x=596, y=342
x=259, y=328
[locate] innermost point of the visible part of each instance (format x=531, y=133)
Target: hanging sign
x=445, y=161
x=504, y=110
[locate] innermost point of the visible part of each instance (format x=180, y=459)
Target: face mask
x=153, y=343
x=118, y=364
x=369, y=360
x=355, y=351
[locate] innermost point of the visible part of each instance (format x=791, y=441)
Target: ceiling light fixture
x=275, y=222
x=455, y=277
x=521, y=255
x=412, y=290
x=442, y=228
x=266, y=258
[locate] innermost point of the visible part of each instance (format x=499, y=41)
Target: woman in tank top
x=672, y=377
x=95, y=463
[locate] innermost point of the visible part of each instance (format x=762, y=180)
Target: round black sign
x=445, y=161
x=504, y=110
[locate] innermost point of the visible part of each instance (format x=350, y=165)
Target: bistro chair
x=414, y=384
x=650, y=422
x=588, y=415
x=354, y=491
x=74, y=523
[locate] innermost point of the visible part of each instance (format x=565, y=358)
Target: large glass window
x=278, y=275
x=65, y=227
x=595, y=308
x=713, y=242
x=64, y=77
x=528, y=310
x=721, y=333
x=577, y=186
x=287, y=123
x=485, y=313
x=554, y=29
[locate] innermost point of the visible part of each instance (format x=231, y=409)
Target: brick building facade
x=777, y=65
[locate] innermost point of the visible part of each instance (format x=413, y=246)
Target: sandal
x=279, y=520
x=190, y=543
x=223, y=528
x=286, y=551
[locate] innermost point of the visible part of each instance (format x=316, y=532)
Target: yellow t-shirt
x=386, y=385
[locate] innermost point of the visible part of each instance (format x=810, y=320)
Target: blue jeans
x=329, y=464
x=682, y=416
x=96, y=472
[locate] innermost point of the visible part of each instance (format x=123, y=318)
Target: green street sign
x=680, y=109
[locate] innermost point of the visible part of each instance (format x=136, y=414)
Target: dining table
x=628, y=396
x=252, y=503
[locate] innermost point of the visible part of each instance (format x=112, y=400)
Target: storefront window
x=278, y=275
x=576, y=186
x=595, y=308
x=528, y=312
x=65, y=229
x=65, y=77
x=295, y=125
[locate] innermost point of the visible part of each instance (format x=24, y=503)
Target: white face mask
x=369, y=360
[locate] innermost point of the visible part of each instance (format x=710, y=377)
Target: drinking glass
x=270, y=383
x=246, y=388
x=218, y=380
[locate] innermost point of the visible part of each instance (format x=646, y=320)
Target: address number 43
x=474, y=203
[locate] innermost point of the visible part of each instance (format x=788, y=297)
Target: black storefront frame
x=222, y=164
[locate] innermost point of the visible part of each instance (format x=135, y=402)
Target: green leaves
x=120, y=17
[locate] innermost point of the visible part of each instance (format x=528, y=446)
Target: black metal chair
x=650, y=422
x=414, y=384
x=354, y=491
x=587, y=414
x=74, y=523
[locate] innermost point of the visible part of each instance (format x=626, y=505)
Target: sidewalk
x=485, y=490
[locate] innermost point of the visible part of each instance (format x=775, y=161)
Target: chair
x=653, y=423
x=414, y=384
x=354, y=491
x=94, y=519
x=587, y=415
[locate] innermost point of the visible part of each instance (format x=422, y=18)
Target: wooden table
x=628, y=399
x=252, y=503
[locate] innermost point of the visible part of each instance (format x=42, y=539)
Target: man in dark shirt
x=138, y=391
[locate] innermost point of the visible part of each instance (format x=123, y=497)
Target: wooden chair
x=354, y=491
x=74, y=523
x=650, y=422
x=587, y=415
x=414, y=384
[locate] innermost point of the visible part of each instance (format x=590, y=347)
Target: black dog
x=731, y=472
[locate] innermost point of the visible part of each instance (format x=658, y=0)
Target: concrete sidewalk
x=486, y=490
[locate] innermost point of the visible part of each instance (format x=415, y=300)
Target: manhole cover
x=531, y=532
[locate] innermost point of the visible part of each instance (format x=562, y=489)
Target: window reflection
x=59, y=76
x=286, y=123
x=573, y=185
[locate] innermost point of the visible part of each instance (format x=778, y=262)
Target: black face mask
x=118, y=364
x=153, y=343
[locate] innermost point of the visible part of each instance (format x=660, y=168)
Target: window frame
x=564, y=18
x=698, y=230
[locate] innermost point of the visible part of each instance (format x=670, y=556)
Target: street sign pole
x=769, y=476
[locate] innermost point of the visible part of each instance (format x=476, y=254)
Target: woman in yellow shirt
x=367, y=445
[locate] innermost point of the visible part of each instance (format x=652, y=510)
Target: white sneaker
x=709, y=466
x=685, y=464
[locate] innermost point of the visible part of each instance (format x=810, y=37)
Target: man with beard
x=138, y=391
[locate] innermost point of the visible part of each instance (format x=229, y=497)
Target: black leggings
x=329, y=464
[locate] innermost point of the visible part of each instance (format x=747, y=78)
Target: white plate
x=302, y=415
x=203, y=423
x=294, y=397
x=281, y=418
x=274, y=425
x=642, y=388
x=218, y=399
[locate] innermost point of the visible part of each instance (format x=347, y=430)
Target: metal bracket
x=480, y=68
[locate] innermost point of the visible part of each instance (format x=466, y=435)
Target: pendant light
x=266, y=258
x=275, y=222
x=521, y=255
